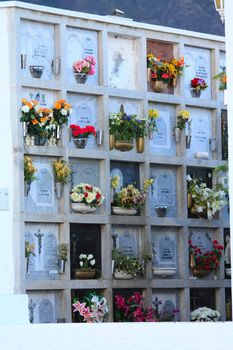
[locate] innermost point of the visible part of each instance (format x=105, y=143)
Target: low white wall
x=119, y=336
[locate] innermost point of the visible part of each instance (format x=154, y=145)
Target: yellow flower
x=153, y=113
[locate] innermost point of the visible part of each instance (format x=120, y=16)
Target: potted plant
x=87, y=267
x=153, y=114
x=205, y=314
x=203, y=200
x=123, y=128
x=86, y=198
x=197, y=86
x=129, y=199
x=29, y=251
x=61, y=113
x=183, y=118
x=61, y=173
x=127, y=267
x=160, y=75
x=83, y=68
x=141, y=129
x=202, y=262
x=63, y=250
x=80, y=135
x=29, y=174
x=132, y=309
x=93, y=308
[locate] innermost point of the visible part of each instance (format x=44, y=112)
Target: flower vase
x=225, y=97
x=177, y=133
x=62, y=265
x=122, y=275
x=100, y=137
x=27, y=265
x=190, y=201
x=80, y=142
x=195, y=93
x=188, y=139
x=161, y=210
x=80, y=78
x=148, y=75
x=123, y=146
x=140, y=144
x=29, y=140
x=160, y=86
x=123, y=211
x=52, y=141
x=36, y=71
x=111, y=141
x=200, y=272
x=58, y=189
x=174, y=82
x=84, y=274
x=82, y=208
x=27, y=186
x=151, y=135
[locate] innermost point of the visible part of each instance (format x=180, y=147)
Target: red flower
x=75, y=132
x=85, y=194
x=89, y=188
x=165, y=76
x=73, y=126
x=215, y=241
x=98, y=196
x=153, y=75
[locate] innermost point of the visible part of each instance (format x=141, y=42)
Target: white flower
x=188, y=178
x=25, y=109
x=84, y=256
x=90, y=198
x=90, y=256
x=63, y=111
x=92, y=262
x=81, y=263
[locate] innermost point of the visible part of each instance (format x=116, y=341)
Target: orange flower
x=43, y=119
x=57, y=105
x=34, y=121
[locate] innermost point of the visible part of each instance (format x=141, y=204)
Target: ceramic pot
x=80, y=142
x=84, y=274
x=122, y=275
x=161, y=210
x=123, y=146
x=148, y=75
x=190, y=201
x=80, y=78
x=123, y=211
x=82, y=208
x=200, y=272
x=195, y=93
x=177, y=133
x=160, y=86
x=62, y=266
x=27, y=186
x=164, y=271
x=58, y=189
x=140, y=144
x=36, y=71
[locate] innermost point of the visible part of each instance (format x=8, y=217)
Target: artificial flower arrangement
x=205, y=314
x=222, y=78
x=153, y=114
x=61, y=112
x=176, y=67
x=61, y=171
x=29, y=249
x=87, y=197
x=62, y=251
x=204, y=261
x=93, y=308
x=203, y=200
x=183, y=117
x=83, y=68
x=80, y=135
x=127, y=267
x=87, y=267
x=197, y=86
x=132, y=309
x=29, y=174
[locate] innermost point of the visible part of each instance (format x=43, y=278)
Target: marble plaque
x=164, y=190
x=168, y=302
x=84, y=171
x=201, y=132
x=79, y=44
x=127, y=240
x=201, y=238
x=85, y=112
x=130, y=106
x=44, y=265
x=122, y=68
x=127, y=172
x=198, y=61
x=164, y=245
x=46, y=98
x=42, y=307
x=37, y=42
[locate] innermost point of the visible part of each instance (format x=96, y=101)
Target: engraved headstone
x=130, y=106
x=128, y=244
x=46, y=311
x=85, y=172
x=50, y=252
x=201, y=238
x=164, y=250
x=45, y=98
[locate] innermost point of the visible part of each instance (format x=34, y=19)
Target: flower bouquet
x=29, y=174
x=29, y=251
x=131, y=309
x=62, y=253
x=222, y=78
x=122, y=126
x=197, y=86
x=176, y=68
x=203, y=200
x=92, y=309
x=160, y=74
x=182, y=119
x=61, y=113
x=205, y=314
x=83, y=68
x=61, y=173
x=80, y=135
x=86, y=198
x=127, y=267
x=204, y=261
x=153, y=114
x=87, y=267
x=128, y=200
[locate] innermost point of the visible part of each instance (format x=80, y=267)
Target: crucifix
x=39, y=237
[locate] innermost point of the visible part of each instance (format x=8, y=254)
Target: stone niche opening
x=228, y=304
x=125, y=293
x=224, y=131
x=200, y=297
x=85, y=239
